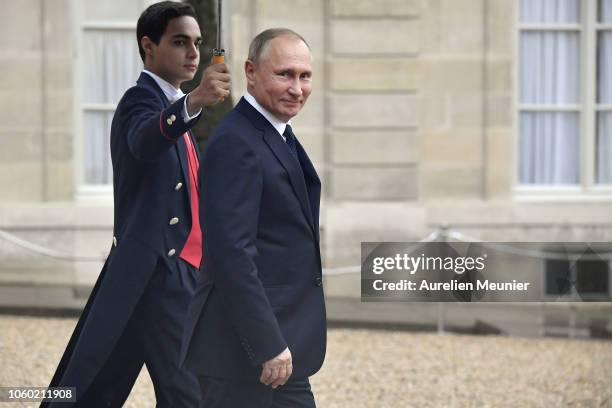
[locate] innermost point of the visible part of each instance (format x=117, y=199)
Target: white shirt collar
x=169, y=90
x=279, y=125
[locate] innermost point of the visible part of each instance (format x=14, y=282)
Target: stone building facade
x=414, y=124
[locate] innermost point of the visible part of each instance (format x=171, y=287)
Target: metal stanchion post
x=572, y=321
x=443, y=236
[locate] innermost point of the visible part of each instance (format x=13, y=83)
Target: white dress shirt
x=173, y=94
x=279, y=125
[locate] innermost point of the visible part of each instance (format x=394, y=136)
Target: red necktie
x=192, y=251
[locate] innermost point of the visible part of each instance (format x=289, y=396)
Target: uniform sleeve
x=152, y=129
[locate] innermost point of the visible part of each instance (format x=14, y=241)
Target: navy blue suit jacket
x=151, y=186
x=261, y=289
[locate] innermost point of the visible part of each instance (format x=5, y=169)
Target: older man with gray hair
x=256, y=328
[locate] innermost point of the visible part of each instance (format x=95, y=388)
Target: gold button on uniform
x=172, y=118
x=171, y=252
x=169, y=122
x=178, y=186
x=174, y=221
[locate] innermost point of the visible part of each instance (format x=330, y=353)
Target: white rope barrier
x=50, y=253
x=439, y=235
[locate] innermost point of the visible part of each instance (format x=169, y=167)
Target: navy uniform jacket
x=261, y=287
x=151, y=186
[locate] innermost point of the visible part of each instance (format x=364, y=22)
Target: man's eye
x=179, y=42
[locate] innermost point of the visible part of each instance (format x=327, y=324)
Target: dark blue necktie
x=290, y=139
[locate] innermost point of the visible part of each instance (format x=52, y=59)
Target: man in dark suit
x=136, y=311
x=256, y=328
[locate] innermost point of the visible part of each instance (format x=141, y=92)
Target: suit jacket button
x=178, y=186
x=171, y=252
x=318, y=281
x=174, y=221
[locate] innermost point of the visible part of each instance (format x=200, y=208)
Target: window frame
x=85, y=192
x=587, y=188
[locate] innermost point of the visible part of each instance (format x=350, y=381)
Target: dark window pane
x=558, y=277
x=593, y=277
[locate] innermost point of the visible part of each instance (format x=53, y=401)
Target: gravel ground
x=379, y=369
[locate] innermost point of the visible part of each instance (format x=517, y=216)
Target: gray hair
x=261, y=40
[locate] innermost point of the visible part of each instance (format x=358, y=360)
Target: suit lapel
x=296, y=177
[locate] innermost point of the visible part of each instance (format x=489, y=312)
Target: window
x=109, y=64
x=565, y=94
x=588, y=279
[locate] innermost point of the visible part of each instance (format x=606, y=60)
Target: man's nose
x=295, y=88
x=193, y=52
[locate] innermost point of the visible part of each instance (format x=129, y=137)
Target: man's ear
x=147, y=45
x=249, y=71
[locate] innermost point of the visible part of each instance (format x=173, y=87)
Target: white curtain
x=549, y=75
x=548, y=148
x=604, y=119
x=604, y=148
x=550, y=68
x=111, y=65
x=550, y=11
x=96, y=160
x=605, y=11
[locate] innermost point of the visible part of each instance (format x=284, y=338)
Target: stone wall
x=410, y=124
x=36, y=90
